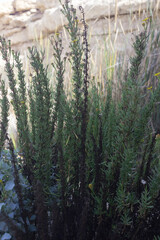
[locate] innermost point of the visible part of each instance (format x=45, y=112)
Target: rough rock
x=33, y=17
x=6, y=7
x=24, y=5
x=23, y=21
x=46, y=4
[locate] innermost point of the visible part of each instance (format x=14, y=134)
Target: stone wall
x=111, y=22
x=21, y=20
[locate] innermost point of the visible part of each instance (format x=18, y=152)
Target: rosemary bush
x=88, y=165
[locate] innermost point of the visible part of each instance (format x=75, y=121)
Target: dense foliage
x=88, y=166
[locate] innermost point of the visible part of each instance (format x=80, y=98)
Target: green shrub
x=88, y=166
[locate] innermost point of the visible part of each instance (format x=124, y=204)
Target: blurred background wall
x=112, y=21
